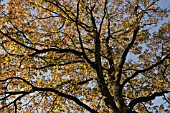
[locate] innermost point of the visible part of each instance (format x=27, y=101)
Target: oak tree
x=98, y=56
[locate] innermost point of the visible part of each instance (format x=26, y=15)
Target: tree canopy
x=98, y=56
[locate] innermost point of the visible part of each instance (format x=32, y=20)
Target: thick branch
x=101, y=81
x=109, y=54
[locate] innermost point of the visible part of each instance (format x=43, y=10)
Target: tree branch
x=77, y=83
x=146, y=99
x=126, y=52
x=56, y=50
x=63, y=64
x=15, y=105
x=166, y=99
x=58, y=5
x=17, y=42
x=19, y=78
x=76, y=100
x=101, y=81
x=80, y=40
x=105, y=8
x=146, y=69
x=109, y=54
x=19, y=97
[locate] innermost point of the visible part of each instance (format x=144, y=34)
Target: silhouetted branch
x=15, y=105
x=80, y=40
x=17, y=42
x=56, y=50
x=126, y=52
x=146, y=99
x=76, y=100
x=14, y=101
x=58, y=5
x=23, y=93
x=146, y=69
x=84, y=82
x=62, y=64
x=18, y=78
x=43, y=50
x=145, y=107
x=166, y=99
x=163, y=73
x=77, y=83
